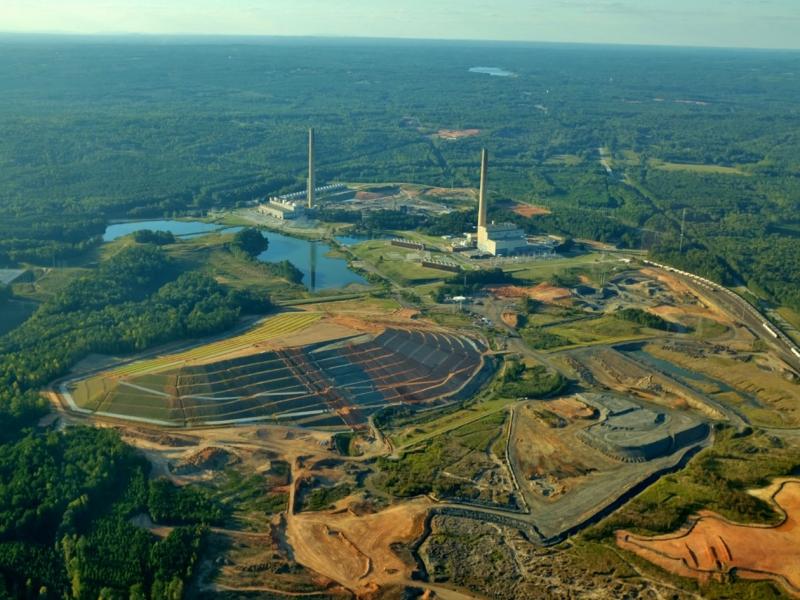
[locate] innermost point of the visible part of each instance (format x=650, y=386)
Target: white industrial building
x=499, y=239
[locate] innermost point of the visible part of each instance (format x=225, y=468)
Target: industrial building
x=292, y=206
x=499, y=239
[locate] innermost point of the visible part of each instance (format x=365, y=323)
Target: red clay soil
x=712, y=547
x=543, y=292
x=528, y=210
x=510, y=318
x=570, y=408
x=457, y=134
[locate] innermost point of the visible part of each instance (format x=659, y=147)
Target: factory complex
x=492, y=239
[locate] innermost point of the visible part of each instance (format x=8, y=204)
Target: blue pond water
x=178, y=228
x=352, y=240
x=320, y=272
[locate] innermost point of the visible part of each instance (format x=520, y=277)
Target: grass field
x=209, y=254
x=792, y=317
x=605, y=330
x=271, y=328
x=417, y=433
x=695, y=168
x=393, y=263
x=544, y=270
x=48, y=283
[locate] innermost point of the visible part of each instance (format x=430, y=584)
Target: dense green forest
x=96, y=130
x=66, y=499
x=66, y=503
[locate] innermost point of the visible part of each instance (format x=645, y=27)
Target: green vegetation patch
x=606, y=329
x=695, y=168
x=449, y=465
x=643, y=318
x=717, y=479
x=322, y=498
x=520, y=381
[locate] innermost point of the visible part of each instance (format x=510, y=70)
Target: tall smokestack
x=482, y=194
x=311, y=178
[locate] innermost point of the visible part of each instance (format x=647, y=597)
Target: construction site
x=294, y=368
x=360, y=439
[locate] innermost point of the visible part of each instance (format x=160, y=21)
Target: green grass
x=391, y=262
x=48, y=283
x=695, y=168
x=607, y=329
x=325, y=497
x=249, y=497
x=446, y=463
x=567, y=160
x=792, y=317
x=417, y=433
x=708, y=329
x=591, y=264
x=209, y=254
x=273, y=327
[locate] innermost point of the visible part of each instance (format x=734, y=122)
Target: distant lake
x=493, y=71
x=178, y=228
x=320, y=272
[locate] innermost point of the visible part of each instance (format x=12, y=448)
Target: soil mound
x=207, y=459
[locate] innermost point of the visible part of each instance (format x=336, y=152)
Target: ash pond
x=320, y=271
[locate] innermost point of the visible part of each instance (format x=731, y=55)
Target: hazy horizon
x=768, y=24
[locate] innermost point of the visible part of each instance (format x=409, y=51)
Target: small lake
x=353, y=240
x=493, y=71
x=178, y=228
x=320, y=272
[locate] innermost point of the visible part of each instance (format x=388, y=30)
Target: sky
x=729, y=23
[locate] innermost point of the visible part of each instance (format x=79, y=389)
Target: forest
x=704, y=141
x=66, y=503
x=66, y=499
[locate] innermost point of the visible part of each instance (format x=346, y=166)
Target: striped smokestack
x=482, y=194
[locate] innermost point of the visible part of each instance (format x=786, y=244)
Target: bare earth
x=457, y=134
x=712, y=547
x=356, y=550
x=543, y=292
x=529, y=210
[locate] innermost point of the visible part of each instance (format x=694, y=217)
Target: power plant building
x=294, y=205
x=499, y=239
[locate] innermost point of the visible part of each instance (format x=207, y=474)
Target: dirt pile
x=544, y=292
x=510, y=318
x=207, y=459
x=358, y=551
